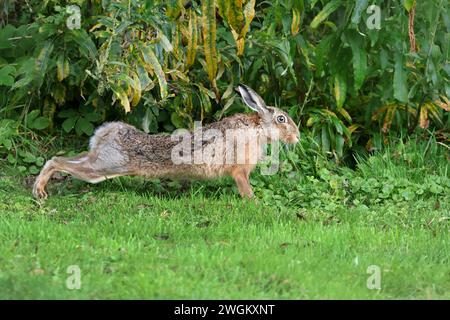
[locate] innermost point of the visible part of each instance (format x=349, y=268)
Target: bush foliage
x=344, y=73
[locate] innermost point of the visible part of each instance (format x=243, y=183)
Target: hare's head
x=277, y=123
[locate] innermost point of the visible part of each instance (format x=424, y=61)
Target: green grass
x=306, y=237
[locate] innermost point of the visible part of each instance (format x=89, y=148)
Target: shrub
x=163, y=64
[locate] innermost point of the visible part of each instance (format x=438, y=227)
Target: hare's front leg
x=241, y=177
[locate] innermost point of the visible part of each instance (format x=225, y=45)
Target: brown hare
x=118, y=149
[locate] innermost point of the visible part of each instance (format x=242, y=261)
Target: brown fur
x=118, y=149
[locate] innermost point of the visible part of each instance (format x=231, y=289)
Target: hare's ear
x=252, y=99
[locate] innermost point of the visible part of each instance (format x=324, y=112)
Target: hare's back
x=118, y=144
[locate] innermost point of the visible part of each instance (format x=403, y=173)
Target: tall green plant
x=166, y=63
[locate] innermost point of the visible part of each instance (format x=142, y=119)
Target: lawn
x=305, y=237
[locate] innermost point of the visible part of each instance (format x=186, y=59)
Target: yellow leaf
x=192, y=36
x=231, y=11
x=62, y=68
x=390, y=113
x=239, y=37
x=295, y=25
x=209, y=38
x=122, y=96
x=345, y=114
x=445, y=105
x=353, y=127
x=137, y=90
x=423, y=117
x=340, y=90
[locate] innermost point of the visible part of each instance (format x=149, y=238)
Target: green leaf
x=7, y=143
x=11, y=158
x=6, y=77
x=400, y=80
x=33, y=170
x=328, y=9
x=325, y=140
x=6, y=33
x=408, y=4
x=68, y=113
x=41, y=123
x=360, y=6
x=40, y=161
x=92, y=116
x=84, y=126
x=322, y=52
x=149, y=121
x=176, y=120
x=44, y=57
x=85, y=44
x=359, y=58
x=340, y=146
x=69, y=124
x=28, y=157
x=32, y=115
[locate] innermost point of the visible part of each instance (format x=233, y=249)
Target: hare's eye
x=281, y=119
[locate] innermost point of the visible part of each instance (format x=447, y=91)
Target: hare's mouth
x=292, y=138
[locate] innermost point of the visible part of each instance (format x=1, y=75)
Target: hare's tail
x=106, y=133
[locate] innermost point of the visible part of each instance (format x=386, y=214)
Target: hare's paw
x=39, y=191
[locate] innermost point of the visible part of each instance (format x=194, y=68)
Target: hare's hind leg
x=80, y=167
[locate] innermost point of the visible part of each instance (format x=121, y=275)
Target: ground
x=131, y=240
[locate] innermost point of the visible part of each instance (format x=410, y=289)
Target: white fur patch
x=78, y=161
